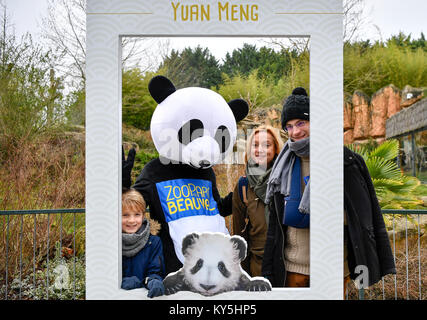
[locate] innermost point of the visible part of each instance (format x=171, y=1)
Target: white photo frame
x=110, y=20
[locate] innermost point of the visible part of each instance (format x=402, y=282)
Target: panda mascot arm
x=225, y=205
x=127, y=165
x=212, y=266
x=240, y=110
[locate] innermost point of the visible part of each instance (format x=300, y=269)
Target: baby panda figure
x=212, y=266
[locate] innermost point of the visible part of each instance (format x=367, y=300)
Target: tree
x=353, y=18
x=405, y=41
x=191, y=67
x=75, y=107
x=368, y=67
x=137, y=104
x=271, y=65
x=65, y=31
x=241, y=61
x=257, y=92
x=30, y=93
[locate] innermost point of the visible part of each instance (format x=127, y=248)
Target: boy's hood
x=154, y=225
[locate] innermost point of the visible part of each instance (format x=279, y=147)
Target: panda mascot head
x=194, y=126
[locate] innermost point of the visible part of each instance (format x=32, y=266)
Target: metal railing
x=398, y=228
x=6, y=236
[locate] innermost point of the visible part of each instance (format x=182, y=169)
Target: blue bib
x=291, y=215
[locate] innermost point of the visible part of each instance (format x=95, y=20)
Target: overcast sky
x=391, y=16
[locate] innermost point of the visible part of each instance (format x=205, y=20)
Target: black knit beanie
x=296, y=106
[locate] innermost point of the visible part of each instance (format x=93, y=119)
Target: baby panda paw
x=172, y=290
x=258, y=285
x=172, y=286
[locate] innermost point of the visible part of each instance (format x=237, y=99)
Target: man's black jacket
x=368, y=242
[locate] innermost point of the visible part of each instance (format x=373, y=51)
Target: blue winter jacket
x=146, y=263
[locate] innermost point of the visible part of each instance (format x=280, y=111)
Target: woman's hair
x=274, y=132
x=132, y=199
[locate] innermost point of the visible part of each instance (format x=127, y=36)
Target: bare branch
x=65, y=31
x=353, y=18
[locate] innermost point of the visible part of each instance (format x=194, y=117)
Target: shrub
x=62, y=279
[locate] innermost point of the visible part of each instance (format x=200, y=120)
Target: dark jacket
x=146, y=263
x=368, y=242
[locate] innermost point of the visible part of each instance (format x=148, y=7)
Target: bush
x=137, y=104
x=62, y=279
x=369, y=68
x=257, y=92
x=47, y=173
x=261, y=92
x=30, y=94
x=394, y=190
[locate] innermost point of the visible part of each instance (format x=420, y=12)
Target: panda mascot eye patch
x=223, y=138
x=212, y=266
x=190, y=131
x=194, y=126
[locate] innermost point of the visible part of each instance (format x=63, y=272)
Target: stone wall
x=364, y=117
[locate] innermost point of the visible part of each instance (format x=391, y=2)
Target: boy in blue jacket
x=141, y=249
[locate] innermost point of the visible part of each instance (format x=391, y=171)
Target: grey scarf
x=257, y=178
x=132, y=243
x=280, y=176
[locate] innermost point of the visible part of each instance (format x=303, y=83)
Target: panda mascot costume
x=192, y=129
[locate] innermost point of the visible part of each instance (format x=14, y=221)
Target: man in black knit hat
x=286, y=259
x=291, y=173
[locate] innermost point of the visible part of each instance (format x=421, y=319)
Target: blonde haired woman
x=250, y=215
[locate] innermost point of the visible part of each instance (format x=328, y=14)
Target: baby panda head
x=212, y=262
x=195, y=126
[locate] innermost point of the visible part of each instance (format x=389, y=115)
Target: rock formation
x=384, y=104
x=361, y=116
x=364, y=117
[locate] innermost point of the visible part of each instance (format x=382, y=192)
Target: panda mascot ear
x=189, y=240
x=240, y=108
x=160, y=88
x=239, y=244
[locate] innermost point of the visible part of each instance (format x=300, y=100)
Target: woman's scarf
x=132, y=243
x=280, y=177
x=257, y=179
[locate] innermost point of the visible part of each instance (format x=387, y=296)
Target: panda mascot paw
x=212, y=266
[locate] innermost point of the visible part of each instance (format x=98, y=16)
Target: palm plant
x=394, y=190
